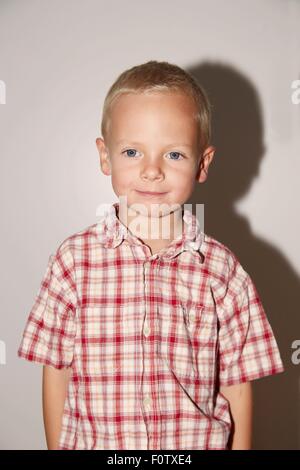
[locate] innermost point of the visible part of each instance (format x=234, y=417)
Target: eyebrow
x=177, y=144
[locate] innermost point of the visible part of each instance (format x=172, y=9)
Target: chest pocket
x=186, y=339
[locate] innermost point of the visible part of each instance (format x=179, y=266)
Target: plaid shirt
x=150, y=338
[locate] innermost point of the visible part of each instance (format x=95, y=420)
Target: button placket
x=149, y=385
x=146, y=329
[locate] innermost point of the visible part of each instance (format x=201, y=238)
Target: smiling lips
x=150, y=193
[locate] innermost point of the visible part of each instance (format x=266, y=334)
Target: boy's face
x=152, y=145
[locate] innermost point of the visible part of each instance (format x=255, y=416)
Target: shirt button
x=193, y=245
x=192, y=317
x=147, y=403
x=147, y=331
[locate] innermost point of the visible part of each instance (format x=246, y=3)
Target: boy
x=149, y=337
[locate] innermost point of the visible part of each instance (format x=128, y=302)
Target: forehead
x=153, y=114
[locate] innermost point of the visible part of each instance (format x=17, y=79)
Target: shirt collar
x=111, y=232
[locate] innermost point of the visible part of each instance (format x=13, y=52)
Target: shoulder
x=69, y=256
x=223, y=266
x=78, y=242
x=74, y=250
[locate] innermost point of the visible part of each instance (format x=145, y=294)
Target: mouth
x=150, y=193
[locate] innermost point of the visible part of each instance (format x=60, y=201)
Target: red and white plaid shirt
x=150, y=338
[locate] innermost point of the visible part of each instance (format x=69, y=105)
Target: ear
x=105, y=162
x=204, y=163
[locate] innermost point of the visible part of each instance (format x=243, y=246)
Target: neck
x=162, y=228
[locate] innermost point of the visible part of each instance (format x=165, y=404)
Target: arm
x=240, y=400
x=55, y=382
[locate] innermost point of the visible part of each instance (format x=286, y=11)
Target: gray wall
x=57, y=61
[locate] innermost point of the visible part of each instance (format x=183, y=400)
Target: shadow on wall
x=237, y=134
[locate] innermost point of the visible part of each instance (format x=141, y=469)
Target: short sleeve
x=50, y=330
x=247, y=347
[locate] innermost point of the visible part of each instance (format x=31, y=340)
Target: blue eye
x=175, y=153
x=131, y=151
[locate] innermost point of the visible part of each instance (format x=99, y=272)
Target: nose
x=151, y=171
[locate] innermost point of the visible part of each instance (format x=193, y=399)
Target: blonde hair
x=154, y=76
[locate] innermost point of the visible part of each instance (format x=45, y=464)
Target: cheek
x=122, y=181
x=184, y=189
x=117, y=181
x=184, y=182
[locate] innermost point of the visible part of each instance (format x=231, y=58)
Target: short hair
x=154, y=76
